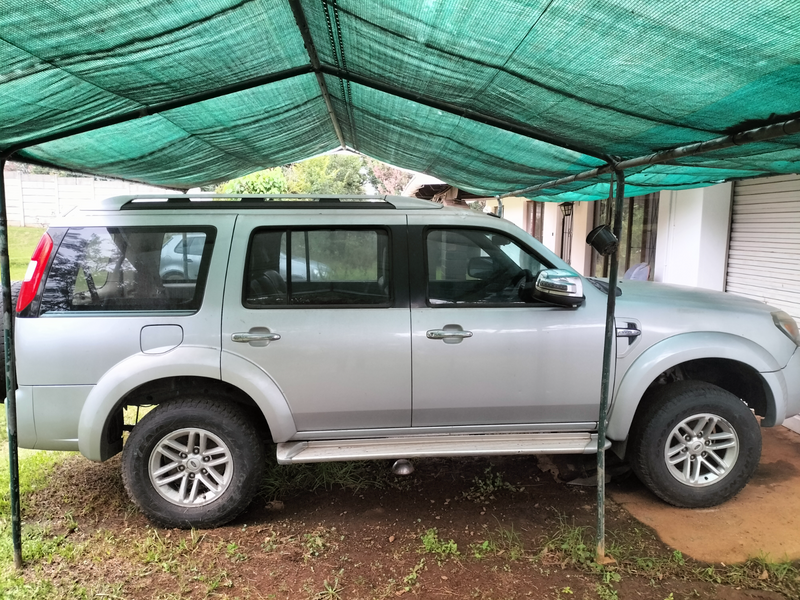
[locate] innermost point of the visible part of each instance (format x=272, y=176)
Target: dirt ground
x=764, y=517
x=500, y=528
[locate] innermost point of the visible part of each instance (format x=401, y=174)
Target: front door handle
x=441, y=334
x=257, y=336
x=449, y=334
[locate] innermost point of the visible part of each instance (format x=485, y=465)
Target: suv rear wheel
x=696, y=445
x=193, y=463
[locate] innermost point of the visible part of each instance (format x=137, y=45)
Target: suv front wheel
x=695, y=445
x=193, y=463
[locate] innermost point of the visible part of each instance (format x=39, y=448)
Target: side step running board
x=438, y=445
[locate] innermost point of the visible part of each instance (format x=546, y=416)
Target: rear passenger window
x=128, y=269
x=330, y=267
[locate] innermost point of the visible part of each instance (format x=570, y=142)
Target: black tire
x=231, y=439
x=664, y=429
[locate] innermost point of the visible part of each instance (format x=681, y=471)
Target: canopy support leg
x=608, y=351
x=10, y=371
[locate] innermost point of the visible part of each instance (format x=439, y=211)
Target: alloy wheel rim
x=701, y=450
x=190, y=467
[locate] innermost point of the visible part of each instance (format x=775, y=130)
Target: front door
x=319, y=310
x=481, y=355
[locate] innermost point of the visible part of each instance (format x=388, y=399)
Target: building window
x=638, y=237
x=534, y=218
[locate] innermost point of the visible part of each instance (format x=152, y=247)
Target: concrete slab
x=763, y=519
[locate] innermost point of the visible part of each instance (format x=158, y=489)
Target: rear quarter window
x=128, y=269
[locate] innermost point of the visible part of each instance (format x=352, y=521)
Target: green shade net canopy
x=490, y=96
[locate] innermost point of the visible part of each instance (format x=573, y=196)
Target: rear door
x=323, y=309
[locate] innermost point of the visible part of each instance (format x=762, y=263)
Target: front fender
x=680, y=349
x=129, y=374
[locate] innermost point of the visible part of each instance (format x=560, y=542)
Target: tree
x=327, y=174
x=269, y=181
x=386, y=178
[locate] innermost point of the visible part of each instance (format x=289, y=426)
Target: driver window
x=475, y=266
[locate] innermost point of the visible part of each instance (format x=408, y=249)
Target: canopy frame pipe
x=10, y=375
x=759, y=134
x=308, y=42
x=605, y=382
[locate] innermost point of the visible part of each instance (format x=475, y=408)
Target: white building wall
x=514, y=211
x=692, y=239
x=551, y=227
x=36, y=200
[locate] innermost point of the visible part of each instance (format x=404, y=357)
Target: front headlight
x=787, y=325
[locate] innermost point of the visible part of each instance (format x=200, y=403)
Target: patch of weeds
x=214, y=582
x=606, y=592
x=483, y=549
x=164, y=553
x=271, y=542
x=287, y=480
x=70, y=522
x=330, y=591
x=16, y=588
x=503, y=542
x=317, y=542
x=485, y=488
x=440, y=549
x=570, y=544
x=232, y=550
x=38, y=545
x=410, y=580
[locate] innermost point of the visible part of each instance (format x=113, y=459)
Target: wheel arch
x=151, y=379
x=733, y=363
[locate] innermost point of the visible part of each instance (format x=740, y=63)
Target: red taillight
x=33, y=276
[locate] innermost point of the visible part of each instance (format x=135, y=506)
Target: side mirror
x=559, y=287
x=481, y=267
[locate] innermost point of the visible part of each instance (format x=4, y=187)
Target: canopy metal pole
x=608, y=352
x=313, y=57
x=11, y=377
x=759, y=134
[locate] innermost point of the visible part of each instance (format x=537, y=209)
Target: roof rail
x=242, y=201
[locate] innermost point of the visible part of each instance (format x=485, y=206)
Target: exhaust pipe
x=402, y=467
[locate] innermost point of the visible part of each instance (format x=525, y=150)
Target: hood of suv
x=663, y=310
x=686, y=299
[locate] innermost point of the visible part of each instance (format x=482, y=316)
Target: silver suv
x=371, y=328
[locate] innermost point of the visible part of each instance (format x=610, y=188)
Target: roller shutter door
x=764, y=252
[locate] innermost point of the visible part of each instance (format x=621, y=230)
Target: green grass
x=21, y=244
